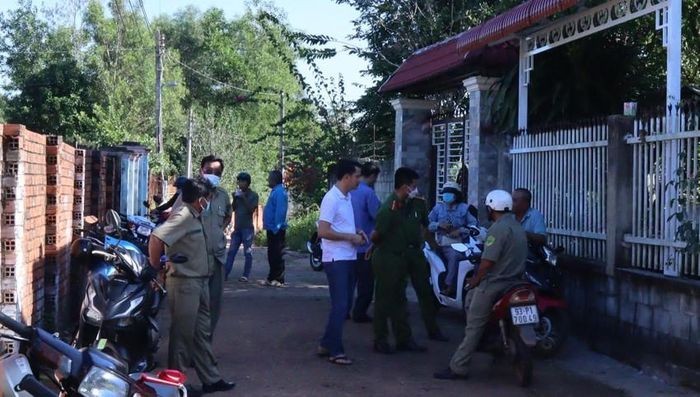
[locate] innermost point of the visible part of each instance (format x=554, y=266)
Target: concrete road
x=267, y=338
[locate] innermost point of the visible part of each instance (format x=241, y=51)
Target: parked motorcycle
x=542, y=271
x=86, y=372
x=118, y=313
x=313, y=246
x=511, y=329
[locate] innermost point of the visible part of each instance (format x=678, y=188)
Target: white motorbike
x=471, y=249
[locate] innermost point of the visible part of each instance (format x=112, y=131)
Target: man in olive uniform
x=397, y=255
x=502, y=266
x=188, y=286
x=215, y=219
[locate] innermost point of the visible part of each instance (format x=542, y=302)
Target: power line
x=206, y=76
x=145, y=16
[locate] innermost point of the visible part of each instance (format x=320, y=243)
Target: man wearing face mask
x=215, y=219
x=398, y=239
x=502, y=265
x=188, y=286
x=449, y=220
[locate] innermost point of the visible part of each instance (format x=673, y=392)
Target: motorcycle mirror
x=113, y=222
x=81, y=248
x=178, y=258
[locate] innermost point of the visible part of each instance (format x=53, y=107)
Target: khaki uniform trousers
x=190, y=328
x=481, y=300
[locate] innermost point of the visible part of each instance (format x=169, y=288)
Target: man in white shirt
x=339, y=241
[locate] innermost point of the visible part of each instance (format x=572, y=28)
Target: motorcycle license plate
x=523, y=315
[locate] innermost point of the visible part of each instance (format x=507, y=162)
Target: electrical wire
x=206, y=76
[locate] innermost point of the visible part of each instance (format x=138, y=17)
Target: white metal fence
x=566, y=171
x=451, y=140
x=658, y=156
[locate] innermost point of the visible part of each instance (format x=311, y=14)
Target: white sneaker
x=243, y=279
x=275, y=283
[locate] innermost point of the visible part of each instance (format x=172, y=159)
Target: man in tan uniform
x=215, y=219
x=188, y=286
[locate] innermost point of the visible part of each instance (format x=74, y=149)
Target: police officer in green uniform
x=502, y=266
x=396, y=256
x=215, y=219
x=188, y=286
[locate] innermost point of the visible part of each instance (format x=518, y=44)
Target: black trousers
x=364, y=279
x=275, y=250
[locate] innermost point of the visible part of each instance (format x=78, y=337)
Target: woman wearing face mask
x=449, y=220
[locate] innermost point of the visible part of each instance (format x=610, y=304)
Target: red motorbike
x=511, y=329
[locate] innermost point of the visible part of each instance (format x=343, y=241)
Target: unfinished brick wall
x=23, y=221
x=61, y=184
x=79, y=198
x=95, y=198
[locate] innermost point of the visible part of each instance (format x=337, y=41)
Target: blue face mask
x=214, y=179
x=448, y=198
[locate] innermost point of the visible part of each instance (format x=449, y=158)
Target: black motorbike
x=118, y=313
x=313, y=246
x=72, y=372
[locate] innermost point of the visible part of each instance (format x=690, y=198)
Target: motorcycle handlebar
x=15, y=326
x=31, y=385
x=105, y=255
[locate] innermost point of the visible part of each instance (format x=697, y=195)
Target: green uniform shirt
x=506, y=246
x=400, y=224
x=183, y=234
x=244, y=207
x=214, y=222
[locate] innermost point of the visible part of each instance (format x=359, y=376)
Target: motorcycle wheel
x=522, y=362
x=551, y=333
x=317, y=266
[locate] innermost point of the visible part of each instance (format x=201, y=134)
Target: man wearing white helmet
x=502, y=265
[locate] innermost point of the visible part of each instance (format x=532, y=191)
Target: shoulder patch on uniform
x=490, y=240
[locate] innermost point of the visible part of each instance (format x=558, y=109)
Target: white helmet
x=499, y=200
x=451, y=185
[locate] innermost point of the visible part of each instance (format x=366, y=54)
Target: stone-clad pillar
x=412, y=138
x=489, y=163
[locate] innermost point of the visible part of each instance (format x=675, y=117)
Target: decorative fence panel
x=451, y=140
x=660, y=159
x=566, y=171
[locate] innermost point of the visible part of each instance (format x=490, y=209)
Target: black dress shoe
x=447, y=374
x=221, y=385
x=383, y=347
x=411, y=346
x=362, y=319
x=438, y=336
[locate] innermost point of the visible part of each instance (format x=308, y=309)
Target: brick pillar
x=413, y=144
x=619, y=191
x=488, y=163
x=24, y=222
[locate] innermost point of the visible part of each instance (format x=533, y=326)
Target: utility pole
x=281, y=155
x=190, y=127
x=160, y=48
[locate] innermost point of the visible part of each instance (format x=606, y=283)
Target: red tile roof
x=444, y=57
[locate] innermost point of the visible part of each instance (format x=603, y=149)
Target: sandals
x=340, y=359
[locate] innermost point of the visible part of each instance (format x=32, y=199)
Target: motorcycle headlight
x=101, y=383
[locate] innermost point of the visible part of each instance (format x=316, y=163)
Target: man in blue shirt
x=365, y=205
x=275, y=223
x=531, y=219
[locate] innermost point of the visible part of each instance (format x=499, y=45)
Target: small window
x=9, y=219
x=9, y=245
x=50, y=239
x=11, y=168
x=52, y=159
x=52, y=140
x=9, y=193
x=77, y=215
x=51, y=219
x=51, y=199
x=79, y=169
x=52, y=180
x=12, y=143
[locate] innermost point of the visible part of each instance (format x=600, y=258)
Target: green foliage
x=301, y=227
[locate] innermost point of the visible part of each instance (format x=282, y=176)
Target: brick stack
x=79, y=198
x=23, y=222
x=60, y=181
x=111, y=183
x=95, y=177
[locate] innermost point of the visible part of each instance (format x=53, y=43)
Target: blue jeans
x=339, y=274
x=244, y=236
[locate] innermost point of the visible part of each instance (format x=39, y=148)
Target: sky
x=310, y=16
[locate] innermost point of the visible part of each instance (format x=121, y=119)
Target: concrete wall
x=385, y=183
